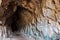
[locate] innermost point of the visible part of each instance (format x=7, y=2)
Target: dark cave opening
x=14, y=26
x=15, y=18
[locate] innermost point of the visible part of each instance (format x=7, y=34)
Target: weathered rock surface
x=48, y=20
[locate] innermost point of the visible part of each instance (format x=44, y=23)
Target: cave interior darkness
x=15, y=17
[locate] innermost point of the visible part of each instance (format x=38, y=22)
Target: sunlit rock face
x=47, y=26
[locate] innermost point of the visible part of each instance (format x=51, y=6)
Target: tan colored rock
x=40, y=19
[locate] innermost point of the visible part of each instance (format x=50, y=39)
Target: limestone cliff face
x=41, y=18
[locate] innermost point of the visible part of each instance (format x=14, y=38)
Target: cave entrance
x=15, y=18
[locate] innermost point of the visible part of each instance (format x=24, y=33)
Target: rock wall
x=47, y=26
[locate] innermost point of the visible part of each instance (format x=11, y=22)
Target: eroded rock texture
x=30, y=19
